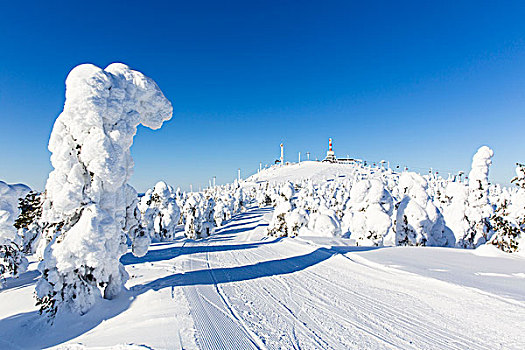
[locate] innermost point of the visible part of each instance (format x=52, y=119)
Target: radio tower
x=282, y=154
x=330, y=155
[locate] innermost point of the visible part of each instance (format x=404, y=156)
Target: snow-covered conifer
x=323, y=223
x=418, y=221
x=508, y=221
x=199, y=215
x=368, y=214
x=277, y=226
x=12, y=259
x=479, y=209
x=87, y=197
x=28, y=221
x=160, y=212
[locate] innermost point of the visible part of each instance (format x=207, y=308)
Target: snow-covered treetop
x=519, y=180
x=102, y=111
x=480, y=167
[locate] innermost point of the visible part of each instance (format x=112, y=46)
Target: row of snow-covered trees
x=162, y=210
x=384, y=208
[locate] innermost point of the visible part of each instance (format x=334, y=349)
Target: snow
x=307, y=285
x=241, y=288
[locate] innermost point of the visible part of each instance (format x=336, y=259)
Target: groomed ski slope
x=241, y=289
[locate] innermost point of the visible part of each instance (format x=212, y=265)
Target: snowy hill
x=316, y=171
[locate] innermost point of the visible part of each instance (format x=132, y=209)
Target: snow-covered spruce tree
x=418, y=221
x=368, y=214
x=479, y=209
x=223, y=209
x=239, y=200
x=12, y=259
x=278, y=226
x=160, y=212
x=138, y=235
x=264, y=195
x=455, y=209
x=508, y=221
x=28, y=221
x=295, y=220
x=198, y=214
x=87, y=205
x=323, y=223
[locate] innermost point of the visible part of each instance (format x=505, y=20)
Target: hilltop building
x=331, y=158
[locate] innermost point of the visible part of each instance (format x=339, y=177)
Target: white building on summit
x=331, y=158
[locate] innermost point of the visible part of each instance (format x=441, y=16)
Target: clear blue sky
x=417, y=83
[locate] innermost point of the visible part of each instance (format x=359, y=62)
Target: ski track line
x=380, y=307
x=410, y=322
x=215, y=326
x=232, y=311
x=292, y=319
x=301, y=321
x=220, y=325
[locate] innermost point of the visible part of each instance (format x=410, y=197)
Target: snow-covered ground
x=317, y=171
x=243, y=289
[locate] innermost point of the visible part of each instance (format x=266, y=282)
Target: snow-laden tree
x=139, y=236
x=12, y=259
x=199, y=212
x=455, y=209
x=295, y=220
x=28, y=221
x=508, y=221
x=368, y=214
x=239, y=197
x=323, y=223
x=479, y=209
x=160, y=212
x=418, y=221
x=278, y=226
x=88, y=201
x=224, y=209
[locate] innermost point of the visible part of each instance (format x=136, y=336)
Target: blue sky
x=418, y=83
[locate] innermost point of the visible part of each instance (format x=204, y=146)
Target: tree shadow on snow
x=29, y=330
x=239, y=273
x=21, y=281
x=170, y=253
x=19, y=331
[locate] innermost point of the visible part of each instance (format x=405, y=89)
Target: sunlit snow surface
x=243, y=289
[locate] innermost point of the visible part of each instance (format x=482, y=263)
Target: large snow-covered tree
x=508, y=221
x=369, y=211
x=87, y=205
x=418, y=221
x=479, y=210
x=160, y=212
